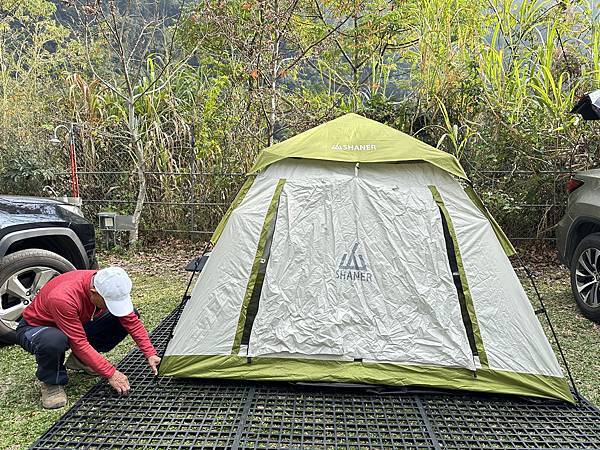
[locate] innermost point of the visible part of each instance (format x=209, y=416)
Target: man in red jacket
x=89, y=312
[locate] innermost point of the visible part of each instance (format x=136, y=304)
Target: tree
x=35, y=51
x=360, y=59
x=138, y=41
x=259, y=43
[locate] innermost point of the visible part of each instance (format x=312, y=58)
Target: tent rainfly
x=354, y=254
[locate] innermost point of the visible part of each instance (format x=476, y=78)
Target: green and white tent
x=353, y=254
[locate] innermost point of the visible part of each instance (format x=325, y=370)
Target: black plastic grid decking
x=179, y=414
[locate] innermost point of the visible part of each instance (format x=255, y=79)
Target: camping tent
x=354, y=254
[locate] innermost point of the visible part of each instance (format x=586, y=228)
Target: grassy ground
x=158, y=285
x=578, y=336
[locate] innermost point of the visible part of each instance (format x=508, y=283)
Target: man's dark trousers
x=49, y=344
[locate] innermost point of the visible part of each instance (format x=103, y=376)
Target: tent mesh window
x=180, y=413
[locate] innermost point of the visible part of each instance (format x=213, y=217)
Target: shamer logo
x=353, y=267
x=353, y=147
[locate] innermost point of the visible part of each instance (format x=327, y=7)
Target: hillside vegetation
x=161, y=91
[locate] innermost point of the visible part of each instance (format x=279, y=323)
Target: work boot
x=53, y=395
x=73, y=363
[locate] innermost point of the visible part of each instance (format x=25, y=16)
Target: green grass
x=158, y=286
x=579, y=337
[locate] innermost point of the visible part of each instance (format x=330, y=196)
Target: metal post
x=193, y=175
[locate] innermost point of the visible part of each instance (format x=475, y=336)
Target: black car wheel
x=22, y=275
x=585, y=276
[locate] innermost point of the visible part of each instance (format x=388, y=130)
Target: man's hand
x=153, y=362
x=119, y=382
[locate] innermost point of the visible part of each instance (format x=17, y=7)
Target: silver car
x=578, y=240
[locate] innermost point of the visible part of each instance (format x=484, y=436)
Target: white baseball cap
x=114, y=285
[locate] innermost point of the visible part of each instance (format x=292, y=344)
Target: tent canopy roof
x=353, y=138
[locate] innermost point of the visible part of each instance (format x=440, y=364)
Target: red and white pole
x=73, y=159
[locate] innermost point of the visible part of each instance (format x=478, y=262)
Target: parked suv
x=39, y=239
x=578, y=240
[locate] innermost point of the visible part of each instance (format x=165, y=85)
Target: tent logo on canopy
x=354, y=147
x=353, y=267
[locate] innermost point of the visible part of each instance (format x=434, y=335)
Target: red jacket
x=64, y=302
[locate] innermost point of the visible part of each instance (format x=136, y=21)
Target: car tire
x=585, y=276
x=26, y=269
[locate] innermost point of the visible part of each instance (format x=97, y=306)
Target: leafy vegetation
x=160, y=93
x=34, y=52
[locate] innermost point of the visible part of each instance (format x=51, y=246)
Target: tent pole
x=554, y=335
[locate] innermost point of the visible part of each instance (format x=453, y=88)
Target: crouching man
x=89, y=312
